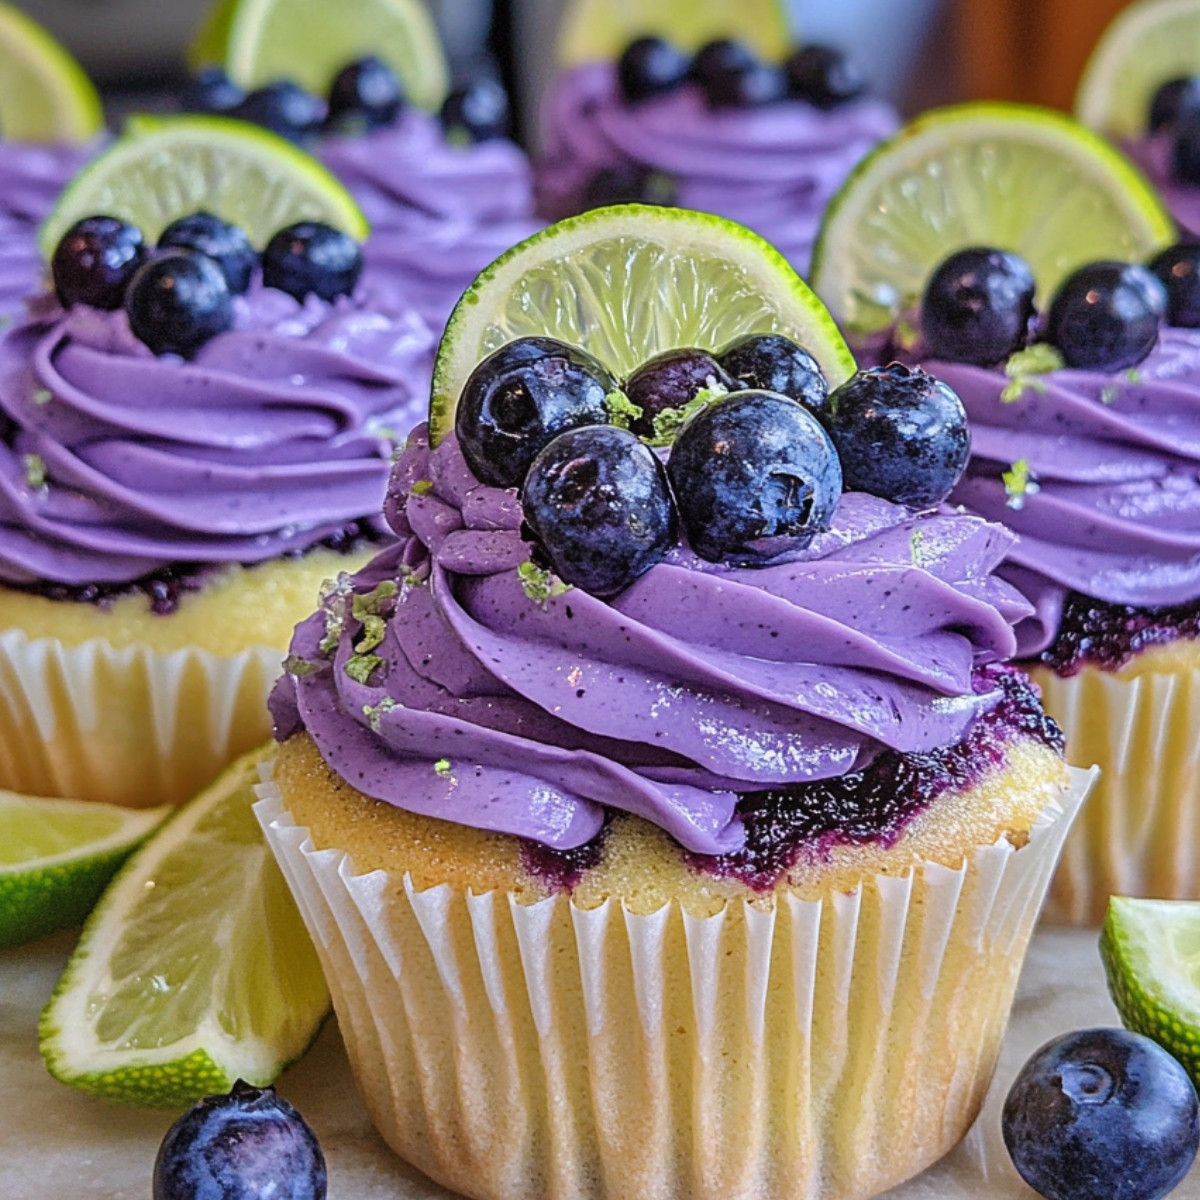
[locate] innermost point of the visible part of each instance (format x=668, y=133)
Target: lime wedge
x=166, y=167
x=194, y=969
x=56, y=856
x=1151, y=953
x=1013, y=176
x=44, y=94
x=599, y=30
x=1146, y=45
x=258, y=41
x=626, y=283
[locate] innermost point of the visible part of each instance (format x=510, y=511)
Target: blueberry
x=1106, y=315
x=755, y=478
x=673, y=380
x=823, y=76
x=901, y=434
x=1171, y=100
x=211, y=91
x=366, y=94
x=1185, y=148
x=1102, y=1114
x=248, y=1145
x=731, y=77
x=650, y=66
x=177, y=301
x=977, y=306
x=226, y=244
x=94, y=261
x=597, y=500
x=519, y=398
x=629, y=183
x=1178, y=270
x=284, y=108
x=478, y=112
x=771, y=362
x=311, y=257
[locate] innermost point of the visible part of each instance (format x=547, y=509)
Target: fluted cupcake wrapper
x=1140, y=833
x=127, y=725
x=811, y=1049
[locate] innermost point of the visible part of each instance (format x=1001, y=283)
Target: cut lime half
x=44, y=94
x=1145, y=45
x=195, y=968
x=629, y=282
x=599, y=30
x=167, y=167
x=1151, y=953
x=1016, y=177
x=56, y=856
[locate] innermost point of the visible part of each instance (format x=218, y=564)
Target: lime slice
x=1151, y=953
x=167, y=167
x=208, y=44
x=599, y=30
x=1016, y=177
x=1145, y=45
x=194, y=969
x=44, y=94
x=56, y=857
x=626, y=283
x=263, y=40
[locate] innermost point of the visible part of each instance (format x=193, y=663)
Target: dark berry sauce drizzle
x=872, y=805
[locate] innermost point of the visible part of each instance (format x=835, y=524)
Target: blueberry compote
x=784, y=825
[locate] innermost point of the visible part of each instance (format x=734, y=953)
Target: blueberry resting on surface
x=1178, y=269
x=1172, y=100
x=598, y=502
x=211, y=91
x=755, y=478
x=731, y=77
x=823, y=76
x=284, y=108
x=366, y=94
x=1185, y=147
x=248, y=1145
x=177, y=301
x=226, y=244
x=480, y=111
x=771, y=362
x=650, y=66
x=901, y=435
x=672, y=379
x=312, y=257
x=977, y=306
x=1102, y=1114
x=521, y=397
x=1106, y=316
x=629, y=183
x=94, y=261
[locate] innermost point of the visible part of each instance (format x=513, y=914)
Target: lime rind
x=166, y=167
x=211, y=39
x=1143, y=47
x=625, y=283
x=1017, y=177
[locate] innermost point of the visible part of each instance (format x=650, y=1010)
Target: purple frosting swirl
x=439, y=212
x=439, y=680
x=772, y=169
x=1153, y=155
x=271, y=439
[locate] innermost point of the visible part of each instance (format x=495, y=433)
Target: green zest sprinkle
x=366, y=610
x=1018, y=484
x=299, y=667
x=42, y=396
x=1109, y=393
x=442, y=767
x=35, y=470
x=1133, y=375
x=360, y=667
x=421, y=487
x=669, y=422
x=1023, y=367
x=622, y=410
x=915, y=547
x=540, y=585
x=333, y=599
x=374, y=712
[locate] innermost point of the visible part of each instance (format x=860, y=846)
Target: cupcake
x=193, y=444
x=659, y=814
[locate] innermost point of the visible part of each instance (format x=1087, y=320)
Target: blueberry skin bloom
x=1102, y=1114
x=95, y=260
x=177, y=301
x=248, y=1145
x=770, y=362
x=672, y=379
x=227, y=244
x=519, y=398
x=598, y=502
x=1105, y=316
x=1178, y=269
x=650, y=66
x=901, y=435
x=366, y=91
x=311, y=256
x=755, y=478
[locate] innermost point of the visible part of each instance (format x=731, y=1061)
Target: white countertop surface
x=55, y=1142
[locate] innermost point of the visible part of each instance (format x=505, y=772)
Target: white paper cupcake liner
x=128, y=726
x=811, y=1049
x=1140, y=832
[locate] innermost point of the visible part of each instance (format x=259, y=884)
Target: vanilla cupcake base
x=776, y=1047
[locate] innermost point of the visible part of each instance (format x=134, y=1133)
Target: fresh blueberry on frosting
x=1178, y=270
x=478, y=112
x=1185, y=147
x=212, y=91
x=178, y=301
x=519, y=398
x=978, y=306
x=224, y=243
x=667, y=385
x=1106, y=316
x=366, y=94
x=1171, y=100
x=597, y=500
x=901, y=434
x=730, y=76
x=311, y=257
x=94, y=261
x=650, y=66
x=284, y=108
x=823, y=76
x=755, y=477
x=771, y=362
